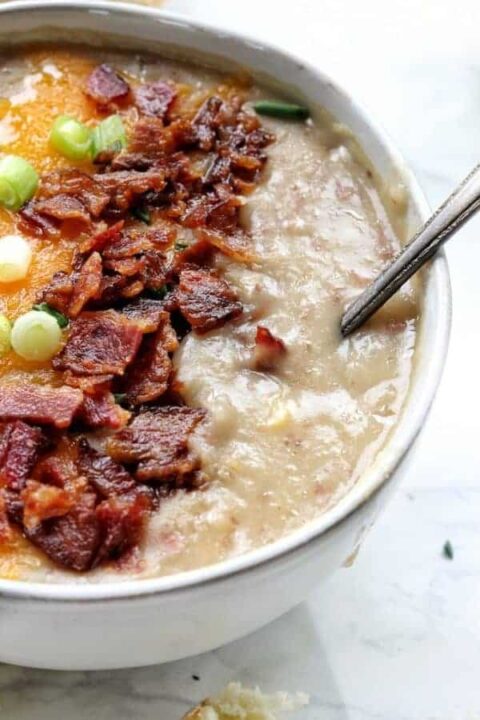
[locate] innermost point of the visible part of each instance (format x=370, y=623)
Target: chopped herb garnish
x=181, y=246
x=160, y=293
x=142, y=214
x=448, y=550
x=120, y=397
x=273, y=108
x=61, y=319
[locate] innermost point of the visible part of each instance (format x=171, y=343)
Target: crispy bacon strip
x=86, y=285
x=147, y=379
x=155, y=99
x=156, y=442
x=106, y=85
x=20, y=445
x=39, y=404
x=99, y=410
x=205, y=300
x=99, y=343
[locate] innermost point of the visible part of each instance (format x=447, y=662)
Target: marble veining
x=397, y=636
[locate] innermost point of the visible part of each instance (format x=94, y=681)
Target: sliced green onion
x=109, y=135
x=15, y=258
x=18, y=182
x=181, y=246
x=5, y=333
x=120, y=397
x=142, y=214
x=160, y=293
x=36, y=336
x=448, y=550
x=277, y=109
x=61, y=319
x=71, y=138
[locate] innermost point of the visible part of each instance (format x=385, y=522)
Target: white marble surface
x=396, y=637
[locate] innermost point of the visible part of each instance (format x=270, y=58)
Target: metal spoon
x=455, y=211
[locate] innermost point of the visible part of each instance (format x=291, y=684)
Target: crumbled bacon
x=126, y=186
x=99, y=410
x=5, y=528
x=237, y=245
x=86, y=285
x=146, y=313
x=88, y=384
x=184, y=177
x=41, y=502
x=20, y=445
x=63, y=207
x=121, y=520
x=58, y=292
x=205, y=123
x=156, y=443
x=206, y=300
x=147, y=378
x=155, y=99
x=39, y=404
x=73, y=539
x=100, y=239
x=33, y=223
x=135, y=241
x=99, y=343
x=104, y=474
x=105, y=85
x=73, y=183
x=269, y=350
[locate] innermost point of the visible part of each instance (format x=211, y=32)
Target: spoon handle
x=450, y=216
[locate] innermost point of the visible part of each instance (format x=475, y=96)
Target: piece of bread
x=239, y=703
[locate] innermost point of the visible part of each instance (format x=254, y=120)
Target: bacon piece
x=123, y=512
x=156, y=441
x=100, y=343
x=147, y=378
x=236, y=245
x=155, y=99
x=205, y=123
x=5, y=529
x=146, y=313
x=199, y=253
x=134, y=241
x=63, y=207
x=205, y=300
x=87, y=284
x=105, y=85
x=151, y=142
x=20, y=445
x=126, y=266
x=269, y=350
x=74, y=184
x=89, y=384
x=41, y=502
x=126, y=186
x=122, y=522
x=39, y=404
x=33, y=223
x=58, y=292
x=103, y=238
x=73, y=539
x=104, y=474
x=100, y=411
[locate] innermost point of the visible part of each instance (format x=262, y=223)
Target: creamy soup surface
x=279, y=446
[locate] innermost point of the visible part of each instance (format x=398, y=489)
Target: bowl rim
x=438, y=283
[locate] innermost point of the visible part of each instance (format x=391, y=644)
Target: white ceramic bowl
x=141, y=622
